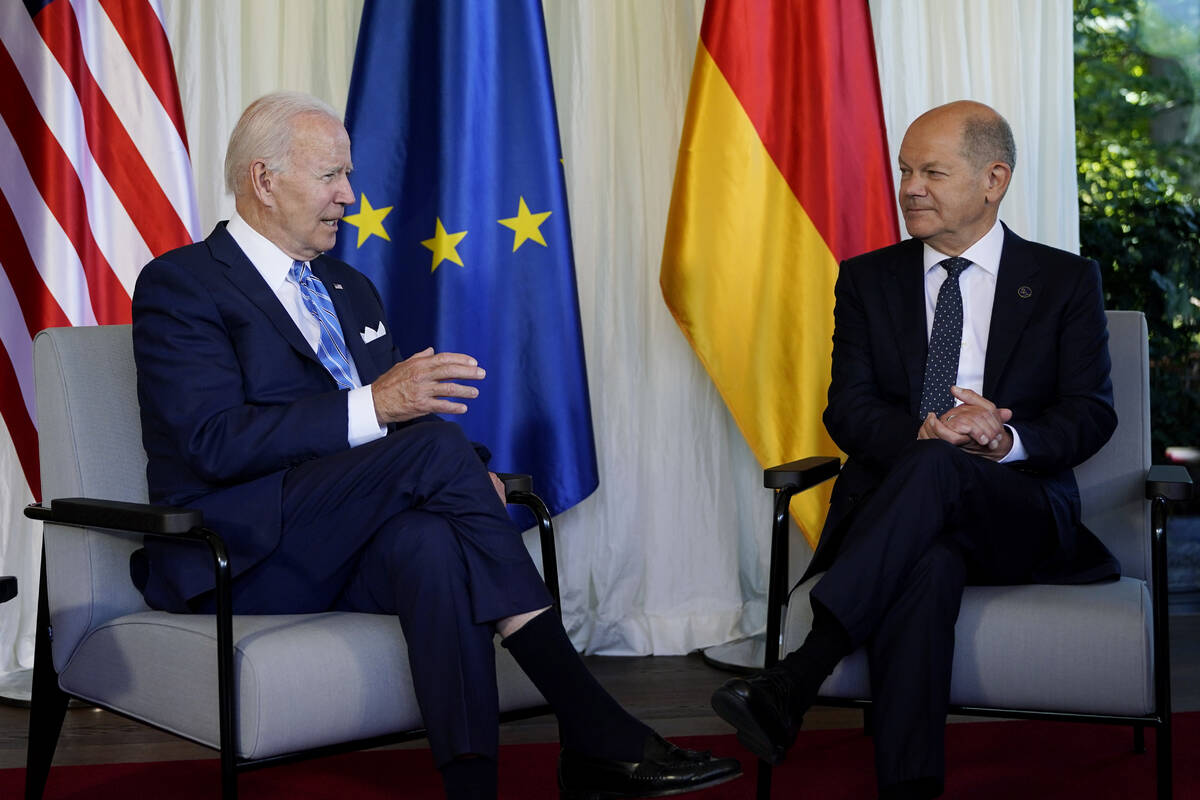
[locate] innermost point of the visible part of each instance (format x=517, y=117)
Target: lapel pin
x=1025, y=292
x=337, y=286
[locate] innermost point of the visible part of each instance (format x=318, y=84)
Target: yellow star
x=369, y=221
x=526, y=226
x=443, y=245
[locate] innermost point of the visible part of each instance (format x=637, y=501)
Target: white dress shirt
x=978, y=285
x=275, y=267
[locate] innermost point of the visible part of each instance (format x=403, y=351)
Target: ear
x=996, y=181
x=260, y=182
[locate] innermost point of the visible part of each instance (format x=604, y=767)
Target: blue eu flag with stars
x=461, y=221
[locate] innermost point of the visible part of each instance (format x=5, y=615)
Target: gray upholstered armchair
x=1093, y=653
x=259, y=689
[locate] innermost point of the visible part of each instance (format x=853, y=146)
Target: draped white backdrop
x=670, y=553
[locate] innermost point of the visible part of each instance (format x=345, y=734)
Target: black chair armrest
x=8, y=588
x=133, y=517
x=514, y=482
x=518, y=490
x=1169, y=482
x=802, y=474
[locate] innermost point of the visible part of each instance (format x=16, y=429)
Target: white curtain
x=1015, y=55
x=670, y=553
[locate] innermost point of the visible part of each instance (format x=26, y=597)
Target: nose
x=911, y=186
x=345, y=193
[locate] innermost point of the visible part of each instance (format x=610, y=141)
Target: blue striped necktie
x=332, y=347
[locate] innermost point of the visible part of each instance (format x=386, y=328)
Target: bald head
x=986, y=136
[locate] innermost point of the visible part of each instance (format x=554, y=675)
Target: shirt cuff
x=360, y=417
x=1017, y=453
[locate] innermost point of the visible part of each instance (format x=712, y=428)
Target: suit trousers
x=408, y=525
x=940, y=518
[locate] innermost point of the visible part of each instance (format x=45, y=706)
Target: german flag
x=783, y=171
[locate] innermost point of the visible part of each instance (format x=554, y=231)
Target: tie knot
x=299, y=271
x=954, y=266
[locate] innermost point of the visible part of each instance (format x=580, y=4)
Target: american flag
x=95, y=180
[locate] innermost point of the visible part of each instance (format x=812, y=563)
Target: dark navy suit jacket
x=1047, y=360
x=232, y=395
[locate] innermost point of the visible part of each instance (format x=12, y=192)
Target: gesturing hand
x=419, y=385
x=976, y=425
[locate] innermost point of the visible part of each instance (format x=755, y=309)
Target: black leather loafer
x=664, y=770
x=760, y=707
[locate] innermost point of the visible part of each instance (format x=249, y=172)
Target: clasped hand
x=421, y=385
x=976, y=425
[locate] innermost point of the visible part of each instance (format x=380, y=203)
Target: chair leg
x=763, y=790
x=47, y=706
x=1139, y=738
x=1166, y=777
x=229, y=779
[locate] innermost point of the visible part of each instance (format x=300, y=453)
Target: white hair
x=265, y=132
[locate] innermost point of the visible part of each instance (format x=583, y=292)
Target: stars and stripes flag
x=94, y=182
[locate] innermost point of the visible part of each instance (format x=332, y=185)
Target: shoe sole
x=566, y=794
x=734, y=710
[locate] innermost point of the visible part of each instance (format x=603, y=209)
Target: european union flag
x=462, y=221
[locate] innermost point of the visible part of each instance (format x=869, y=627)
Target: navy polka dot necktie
x=941, y=362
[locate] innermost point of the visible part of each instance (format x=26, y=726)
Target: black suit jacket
x=1047, y=360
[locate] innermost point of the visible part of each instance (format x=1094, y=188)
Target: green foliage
x=1138, y=210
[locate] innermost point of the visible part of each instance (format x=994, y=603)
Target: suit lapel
x=1018, y=286
x=247, y=279
x=906, y=305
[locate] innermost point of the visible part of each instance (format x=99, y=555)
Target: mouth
x=332, y=223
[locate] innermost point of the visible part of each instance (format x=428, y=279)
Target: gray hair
x=988, y=138
x=265, y=132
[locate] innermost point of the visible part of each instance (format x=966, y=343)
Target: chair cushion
x=334, y=677
x=1077, y=649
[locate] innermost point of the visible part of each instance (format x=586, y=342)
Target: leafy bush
x=1138, y=211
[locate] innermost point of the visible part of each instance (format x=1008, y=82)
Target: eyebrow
x=938, y=165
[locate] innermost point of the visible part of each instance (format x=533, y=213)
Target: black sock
x=469, y=779
x=812, y=662
x=589, y=719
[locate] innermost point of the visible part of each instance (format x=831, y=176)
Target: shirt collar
x=271, y=262
x=984, y=253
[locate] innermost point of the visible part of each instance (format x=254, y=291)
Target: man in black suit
x=274, y=400
x=970, y=375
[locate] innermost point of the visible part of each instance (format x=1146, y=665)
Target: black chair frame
x=48, y=704
x=1164, y=485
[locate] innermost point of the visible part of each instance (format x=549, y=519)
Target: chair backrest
x=1112, y=482
x=90, y=442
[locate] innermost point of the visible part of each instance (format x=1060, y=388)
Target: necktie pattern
x=945, y=342
x=331, y=349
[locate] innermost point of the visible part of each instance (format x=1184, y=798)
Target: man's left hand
x=976, y=425
x=981, y=422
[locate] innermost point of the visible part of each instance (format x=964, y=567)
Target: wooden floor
x=669, y=692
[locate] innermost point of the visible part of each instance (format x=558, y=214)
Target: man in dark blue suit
x=274, y=400
x=970, y=375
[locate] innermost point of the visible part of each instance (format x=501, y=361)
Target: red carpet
x=988, y=761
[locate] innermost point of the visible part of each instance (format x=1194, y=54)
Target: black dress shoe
x=761, y=708
x=664, y=770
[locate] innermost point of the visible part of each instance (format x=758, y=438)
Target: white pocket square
x=369, y=335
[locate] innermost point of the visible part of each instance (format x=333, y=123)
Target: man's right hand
x=419, y=385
